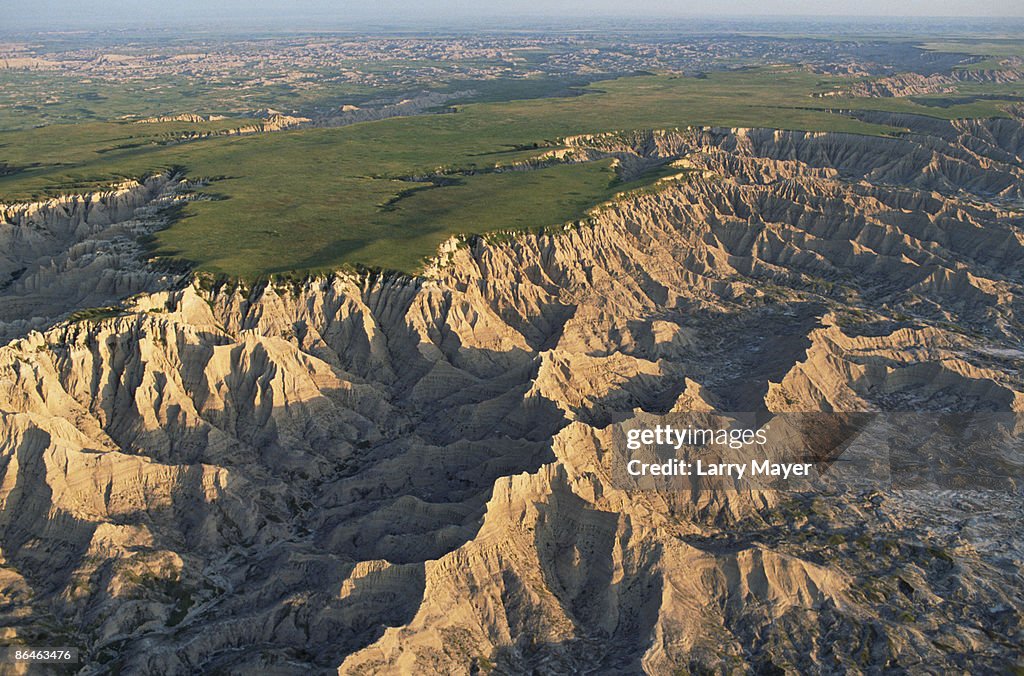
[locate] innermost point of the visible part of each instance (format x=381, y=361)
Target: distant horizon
x=276, y=15
x=1010, y=26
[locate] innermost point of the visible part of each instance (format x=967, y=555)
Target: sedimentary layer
x=388, y=474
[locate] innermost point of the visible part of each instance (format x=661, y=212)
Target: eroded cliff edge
x=74, y=252
x=390, y=474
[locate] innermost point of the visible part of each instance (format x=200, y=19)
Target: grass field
x=995, y=47
x=59, y=98
x=320, y=198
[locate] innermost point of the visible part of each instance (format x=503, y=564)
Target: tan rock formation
x=79, y=251
x=385, y=474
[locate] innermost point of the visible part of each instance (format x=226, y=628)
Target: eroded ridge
x=378, y=473
x=74, y=252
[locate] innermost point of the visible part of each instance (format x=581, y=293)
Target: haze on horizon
x=70, y=14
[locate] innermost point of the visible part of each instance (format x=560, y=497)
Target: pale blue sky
x=65, y=13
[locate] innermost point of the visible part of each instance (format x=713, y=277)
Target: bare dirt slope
x=382, y=474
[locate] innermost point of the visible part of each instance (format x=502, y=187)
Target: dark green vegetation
x=320, y=198
x=993, y=47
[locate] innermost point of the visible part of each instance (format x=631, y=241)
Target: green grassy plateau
x=313, y=199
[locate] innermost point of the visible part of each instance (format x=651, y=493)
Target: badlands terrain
x=366, y=471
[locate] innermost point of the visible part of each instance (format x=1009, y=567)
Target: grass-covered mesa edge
x=385, y=194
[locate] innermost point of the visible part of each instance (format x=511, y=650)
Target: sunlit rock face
x=66, y=253
x=385, y=474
